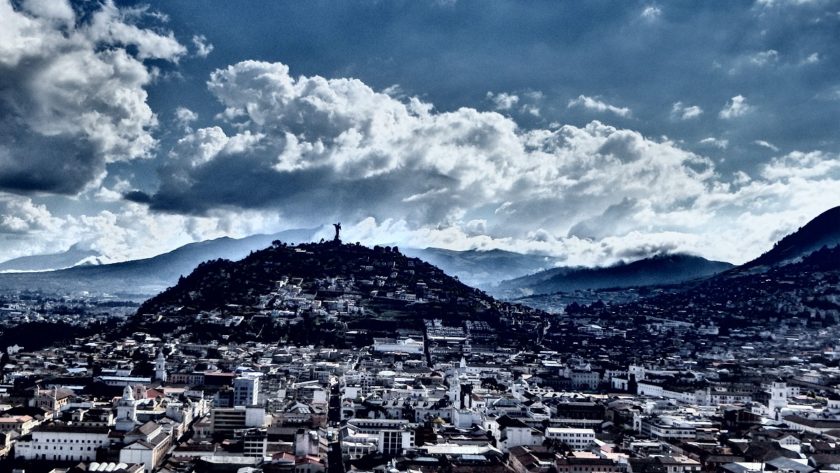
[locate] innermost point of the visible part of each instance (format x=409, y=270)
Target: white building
x=578, y=439
x=160, y=367
x=228, y=419
x=126, y=411
x=510, y=432
x=146, y=445
x=246, y=390
x=388, y=436
x=63, y=442
x=402, y=345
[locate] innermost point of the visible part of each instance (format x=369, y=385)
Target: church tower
x=160, y=367
x=126, y=411
x=778, y=398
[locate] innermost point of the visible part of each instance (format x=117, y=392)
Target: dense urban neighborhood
x=332, y=357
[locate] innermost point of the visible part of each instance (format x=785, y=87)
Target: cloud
x=716, y=142
x=335, y=148
x=736, y=107
x=127, y=231
x=765, y=144
x=783, y=3
x=503, y=100
x=185, y=117
x=683, y=112
x=799, y=165
x=590, y=103
x=764, y=58
x=310, y=150
x=202, y=47
x=72, y=94
x=812, y=58
x=19, y=215
x=651, y=12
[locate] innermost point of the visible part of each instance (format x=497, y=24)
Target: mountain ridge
x=73, y=256
x=483, y=268
x=656, y=270
x=822, y=230
x=146, y=276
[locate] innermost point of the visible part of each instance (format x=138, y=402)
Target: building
x=577, y=439
x=126, y=411
x=20, y=424
x=390, y=436
x=160, y=367
x=63, y=442
x=246, y=390
x=229, y=419
x=146, y=445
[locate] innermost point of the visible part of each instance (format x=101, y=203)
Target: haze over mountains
x=74, y=256
x=141, y=277
x=484, y=269
x=501, y=273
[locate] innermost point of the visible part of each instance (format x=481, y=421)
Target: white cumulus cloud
x=594, y=104
x=736, y=107
x=503, y=100
x=202, y=47
x=685, y=112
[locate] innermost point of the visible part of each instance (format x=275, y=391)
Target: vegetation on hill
x=392, y=291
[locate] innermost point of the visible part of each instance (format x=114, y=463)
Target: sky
x=592, y=131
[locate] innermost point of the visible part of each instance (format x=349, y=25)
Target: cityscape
x=259, y=237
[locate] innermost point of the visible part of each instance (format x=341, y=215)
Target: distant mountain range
x=79, y=270
x=74, y=256
x=480, y=268
x=141, y=277
x=657, y=270
x=501, y=273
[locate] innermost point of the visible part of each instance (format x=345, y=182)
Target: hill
x=823, y=230
x=332, y=291
x=480, y=268
x=148, y=276
x=657, y=270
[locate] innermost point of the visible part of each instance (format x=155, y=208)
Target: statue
x=337, y=231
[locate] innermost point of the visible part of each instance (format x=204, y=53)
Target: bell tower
x=126, y=411
x=160, y=367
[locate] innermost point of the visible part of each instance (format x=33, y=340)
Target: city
x=419, y=236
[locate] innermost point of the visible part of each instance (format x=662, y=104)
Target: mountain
x=74, y=256
x=329, y=292
x=824, y=230
x=480, y=268
x=657, y=270
x=148, y=276
x=797, y=294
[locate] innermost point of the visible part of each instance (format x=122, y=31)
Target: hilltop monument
x=337, y=231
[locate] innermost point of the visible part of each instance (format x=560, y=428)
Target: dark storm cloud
x=72, y=96
x=139, y=197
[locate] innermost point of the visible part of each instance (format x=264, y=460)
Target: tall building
x=246, y=390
